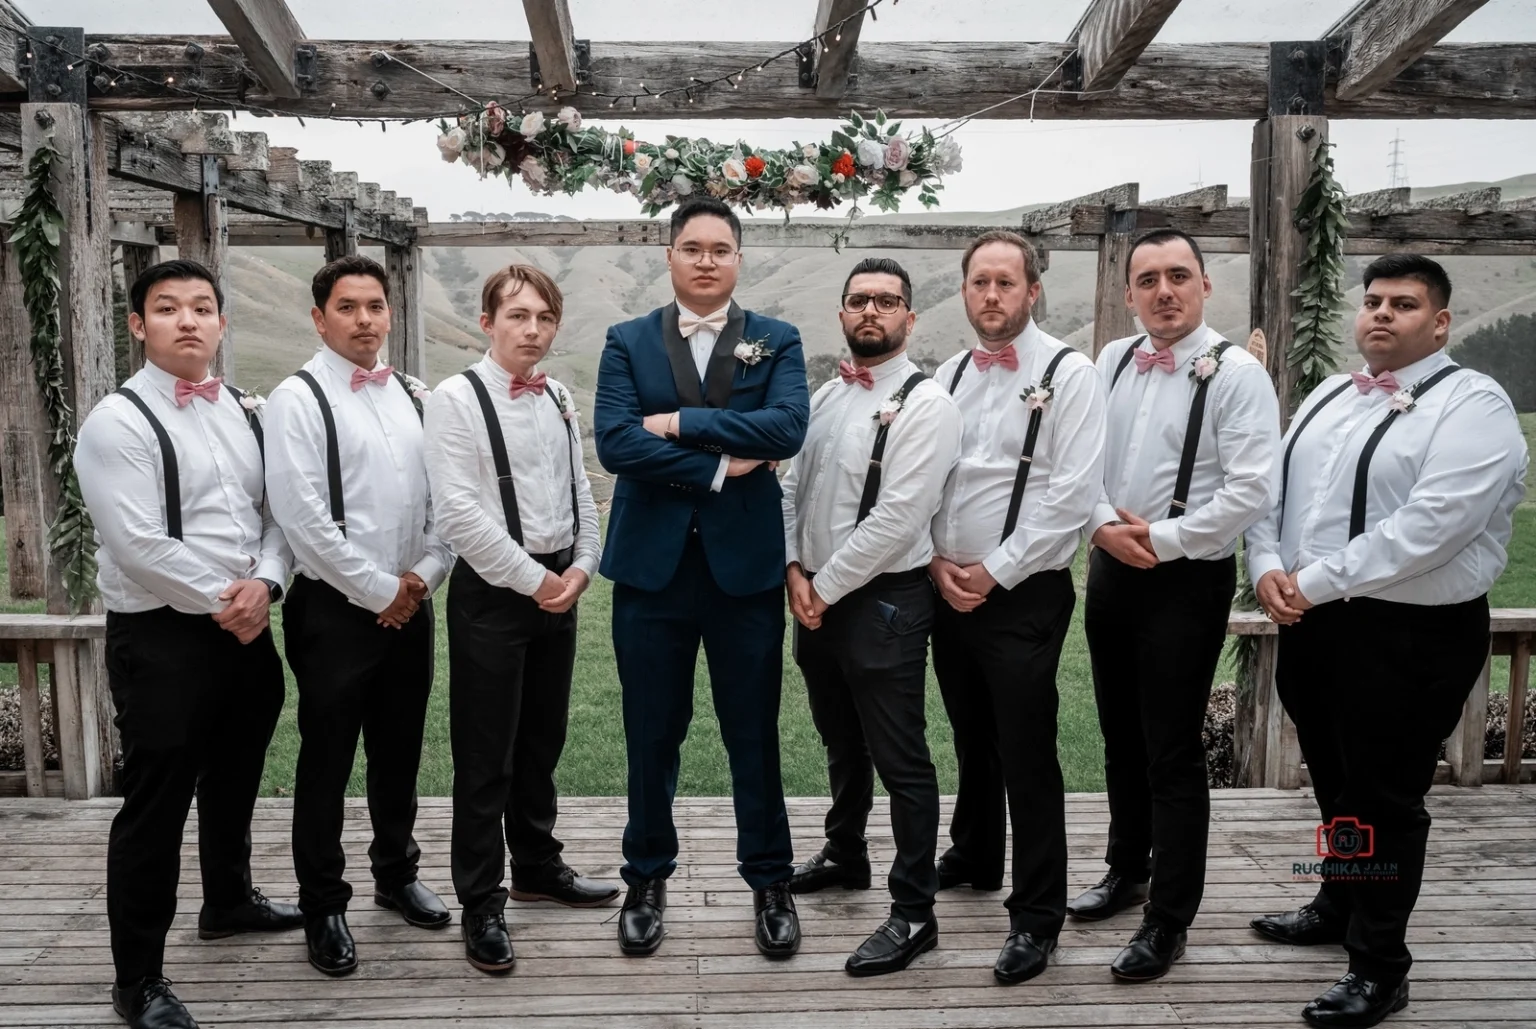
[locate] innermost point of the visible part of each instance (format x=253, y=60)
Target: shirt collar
x=681, y=309
x=1421, y=369
x=163, y=380
x=1188, y=348
x=1024, y=343
x=340, y=365
x=492, y=371
x=901, y=365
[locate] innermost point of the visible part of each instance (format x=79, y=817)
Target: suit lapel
x=722, y=361
x=685, y=374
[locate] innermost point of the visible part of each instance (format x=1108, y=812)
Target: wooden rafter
x=12, y=23
x=554, y=41
x=838, y=23
x=1111, y=35
x=1386, y=36
x=267, y=33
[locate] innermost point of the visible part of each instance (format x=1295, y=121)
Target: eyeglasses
x=885, y=303
x=693, y=255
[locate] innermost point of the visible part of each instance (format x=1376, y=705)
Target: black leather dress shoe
x=1112, y=895
x=1023, y=957
x=1303, y=927
x=419, y=905
x=1353, y=1001
x=563, y=886
x=150, y=1004
x=331, y=949
x=952, y=874
x=640, y=925
x=487, y=944
x=822, y=870
x=1152, y=951
x=892, y=947
x=778, y=924
x=256, y=915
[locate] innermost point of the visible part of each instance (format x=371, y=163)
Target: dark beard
x=875, y=347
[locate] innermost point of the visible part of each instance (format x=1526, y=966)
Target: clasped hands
x=408, y=599
x=1280, y=597
x=804, y=604
x=667, y=426
x=963, y=587
x=558, y=593
x=246, y=613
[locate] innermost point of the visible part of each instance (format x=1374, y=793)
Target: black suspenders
x=503, y=463
x=1125, y=359
x=877, y=454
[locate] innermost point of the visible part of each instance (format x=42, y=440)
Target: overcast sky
x=1008, y=163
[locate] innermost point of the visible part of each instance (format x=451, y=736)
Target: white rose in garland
x=734, y=171
x=533, y=124
x=570, y=118
x=803, y=175
x=682, y=184
x=451, y=144
x=871, y=153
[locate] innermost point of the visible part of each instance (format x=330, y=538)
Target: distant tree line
x=1505, y=350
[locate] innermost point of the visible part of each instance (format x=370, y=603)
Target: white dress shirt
x=1066, y=474
x=227, y=531
x=702, y=345
x=466, y=497
x=1444, y=484
x=1236, y=471
x=826, y=480
x=383, y=482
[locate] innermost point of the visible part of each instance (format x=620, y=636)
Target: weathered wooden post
x=202, y=235
x=407, y=323
x=136, y=261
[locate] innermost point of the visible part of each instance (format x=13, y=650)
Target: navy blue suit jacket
x=756, y=411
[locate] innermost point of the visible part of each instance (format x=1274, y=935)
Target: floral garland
x=865, y=157
x=1317, y=342
x=35, y=238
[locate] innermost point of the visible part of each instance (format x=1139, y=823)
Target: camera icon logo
x=1345, y=837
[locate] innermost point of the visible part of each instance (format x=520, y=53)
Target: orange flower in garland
x=755, y=166
x=843, y=166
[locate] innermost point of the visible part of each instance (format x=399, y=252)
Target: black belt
x=890, y=579
x=559, y=561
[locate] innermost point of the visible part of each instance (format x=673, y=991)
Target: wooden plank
x=14, y=784
x=202, y=235
x=1485, y=221
x=266, y=32
x=407, y=322
x=1112, y=317
x=283, y=165
x=549, y=23
x=1206, y=198
x=1380, y=201
x=906, y=79
x=1473, y=201
x=838, y=23
x=52, y=626
x=194, y=132
x=67, y=719
x=1514, y=728
x=1464, y=748
x=31, y=717
x=1386, y=36
x=1055, y=216
x=1111, y=35
x=251, y=153
x=136, y=261
x=12, y=24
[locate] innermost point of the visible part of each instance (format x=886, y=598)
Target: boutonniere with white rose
x=417, y=388
x=1036, y=397
x=890, y=408
x=750, y=352
x=1206, y=365
x=1402, y=401
x=252, y=402
x=563, y=402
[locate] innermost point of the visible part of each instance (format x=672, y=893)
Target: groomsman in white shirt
x=348, y=484
x=524, y=526
x=1031, y=470
x=1189, y=460
x=1399, y=486
x=858, y=500
x=187, y=561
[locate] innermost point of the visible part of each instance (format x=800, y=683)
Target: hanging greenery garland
x=35, y=239
x=1317, y=341
x=867, y=156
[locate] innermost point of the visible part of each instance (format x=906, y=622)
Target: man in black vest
x=1400, y=484
x=1189, y=458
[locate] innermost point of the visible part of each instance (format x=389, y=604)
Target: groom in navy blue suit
x=696, y=403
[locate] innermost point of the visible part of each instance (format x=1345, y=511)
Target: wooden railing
x=29, y=642
x=1265, y=751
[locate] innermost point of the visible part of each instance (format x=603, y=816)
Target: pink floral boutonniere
x=1206, y=365
x=1402, y=401
x=563, y=402
x=1037, y=397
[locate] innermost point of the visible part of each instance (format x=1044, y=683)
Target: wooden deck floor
x=1473, y=935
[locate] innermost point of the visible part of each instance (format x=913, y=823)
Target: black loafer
x=1304, y=927
x=257, y=915
x=1355, y=1002
x=892, y=947
x=419, y=905
x=823, y=870
x=563, y=886
x=150, y=1004
x=1023, y=957
x=778, y=924
x=1152, y=951
x=1113, y=894
x=952, y=874
x=487, y=944
x=331, y=949
x=640, y=925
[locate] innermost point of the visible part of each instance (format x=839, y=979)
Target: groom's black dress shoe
x=487, y=944
x=150, y=1004
x=1152, y=951
x=1355, y=1002
x=563, y=886
x=419, y=905
x=640, y=926
x=1303, y=927
x=953, y=873
x=778, y=924
x=822, y=870
x=257, y=915
x=331, y=949
x=1113, y=894
x=1023, y=957
x=892, y=947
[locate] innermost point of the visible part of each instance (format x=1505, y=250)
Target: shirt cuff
x=272, y=568
x=1260, y=565
x=725, y=463
x=1001, y=567
x=385, y=588
x=588, y=565
x=1165, y=539
x=431, y=571
x=829, y=589
x=528, y=581
x=1103, y=514
x=1314, y=585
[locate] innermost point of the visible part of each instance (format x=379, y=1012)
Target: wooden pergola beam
x=266, y=32
x=1112, y=34
x=554, y=42
x=12, y=24
x=838, y=23
x=1386, y=36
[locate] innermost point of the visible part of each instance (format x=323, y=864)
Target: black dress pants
x=996, y=667
x=1154, y=638
x=196, y=710
x=1374, y=687
x=865, y=677
x=354, y=676
x=509, y=696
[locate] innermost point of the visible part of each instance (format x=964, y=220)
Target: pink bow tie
x=1007, y=358
x=852, y=373
x=688, y=324
x=520, y=385
x=1145, y=362
x=1386, y=382
x=379, y=376
x=208, y=390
